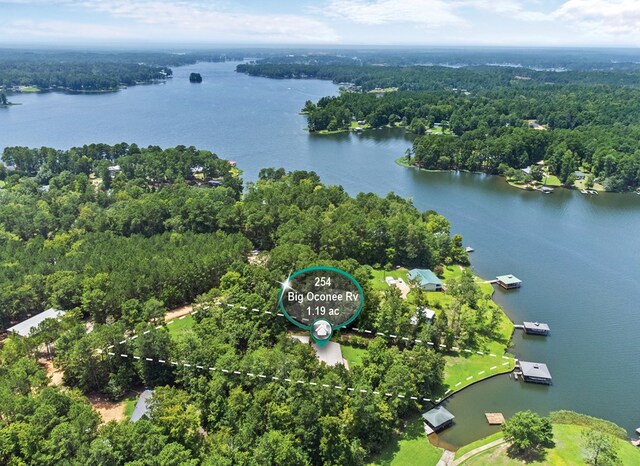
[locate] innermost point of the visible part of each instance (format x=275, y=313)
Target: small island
x=4, y=102
x=195, y=78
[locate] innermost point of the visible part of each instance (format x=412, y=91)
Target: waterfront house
x=536, y=328
x=579, y=175
x=526, y=170
x=25, y=328
x=426, y=279
x=535, y=372
x=509, y=282
x=438, y=418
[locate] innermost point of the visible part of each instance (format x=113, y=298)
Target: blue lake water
x=578, y=256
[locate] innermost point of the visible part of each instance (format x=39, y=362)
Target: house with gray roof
x=426, y=279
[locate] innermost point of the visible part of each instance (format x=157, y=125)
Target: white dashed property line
x=262, y=376
x=357, y=329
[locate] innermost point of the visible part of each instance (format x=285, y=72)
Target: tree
x=277, y=449
x=601, y=448
x=527, y=430
x=589, y=182
x=3, y=99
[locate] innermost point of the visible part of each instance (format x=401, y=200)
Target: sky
x=323, y=22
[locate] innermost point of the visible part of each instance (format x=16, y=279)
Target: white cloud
x=63, y=29
x=516, y=9
x=206, y=21
x=433, y=13
x=617, y=17
x=185, y=20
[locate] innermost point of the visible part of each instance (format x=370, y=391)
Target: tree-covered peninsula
x=489, y=118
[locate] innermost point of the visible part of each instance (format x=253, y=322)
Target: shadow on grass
x=413, y=430
x=532, y=455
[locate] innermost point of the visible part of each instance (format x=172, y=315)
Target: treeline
x=78, y=76
x=92, y=71
x=584, y=120
x=435, y=78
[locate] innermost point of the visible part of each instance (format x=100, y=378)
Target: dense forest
x=496, y=118
x=92, y=71
x=116, y=235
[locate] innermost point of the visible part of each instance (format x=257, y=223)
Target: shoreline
x=522, y=187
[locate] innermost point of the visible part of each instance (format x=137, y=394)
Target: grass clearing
x=29, y=88
x=551, y=180
x=353, y=355
x=568, y=451
x=181, y=326
x=378, y=282
x=409, y=448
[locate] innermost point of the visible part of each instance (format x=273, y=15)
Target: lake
x=578, y=256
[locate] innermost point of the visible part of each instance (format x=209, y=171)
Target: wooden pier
x=494, y=419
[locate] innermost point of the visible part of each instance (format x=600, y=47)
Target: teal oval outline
x=331, y=269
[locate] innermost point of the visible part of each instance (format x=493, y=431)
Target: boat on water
x=470, y=249
x=584, y=191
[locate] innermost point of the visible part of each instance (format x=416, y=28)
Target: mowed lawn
x=411, y=448
x=378, y=281
x=478, y=443
x=568, y=451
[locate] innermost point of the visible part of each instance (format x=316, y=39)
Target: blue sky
x=328, y=22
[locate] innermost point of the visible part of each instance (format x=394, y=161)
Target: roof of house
x=330, y=353
x=535, y=369
x=527, y=170
x=509, y=279
x=424, y=277
x=578, y=173
x=142, y=405
x=437, y=416
x=427, y=313
x=24, y=328
x=536, y=325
